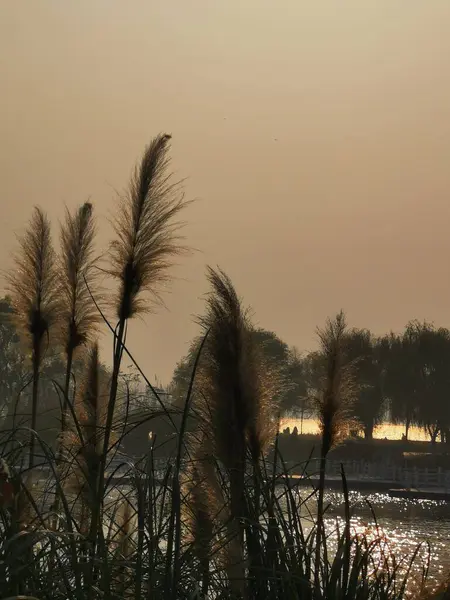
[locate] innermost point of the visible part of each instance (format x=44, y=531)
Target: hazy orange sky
x=315, y=135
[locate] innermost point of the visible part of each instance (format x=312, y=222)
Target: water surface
x=403, y=523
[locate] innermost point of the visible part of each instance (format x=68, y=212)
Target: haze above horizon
x=315, y=136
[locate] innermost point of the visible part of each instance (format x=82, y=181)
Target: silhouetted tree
x=292, y=397
x=365, y=352
x=433, y=411
x=403, y=382
x=296, y=397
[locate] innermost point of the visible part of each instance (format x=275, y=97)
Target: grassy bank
x=300, y=448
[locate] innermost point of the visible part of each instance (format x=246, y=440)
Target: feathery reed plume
x=223, y=376
x=84, y=441
x=224, y=385
x=82, y=449
x=270, y=382
x=147, y=241
x=147, y=235
x=337, y=392
x=336, y=395
x=79, y=316
x=33, y=286
x=237, y=408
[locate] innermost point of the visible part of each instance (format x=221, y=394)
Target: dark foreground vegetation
x=220, y=518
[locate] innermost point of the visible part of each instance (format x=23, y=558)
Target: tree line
x=402, y=377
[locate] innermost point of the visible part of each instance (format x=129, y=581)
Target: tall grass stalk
x=337, y=394
x=147, y=240
x=34, y=289
x=237, y=393
x=79, y=317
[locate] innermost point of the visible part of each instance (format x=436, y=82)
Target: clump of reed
x=237, y=393
x=147, y=240
x=220, y=518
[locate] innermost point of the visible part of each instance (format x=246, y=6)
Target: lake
x=403, y=523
